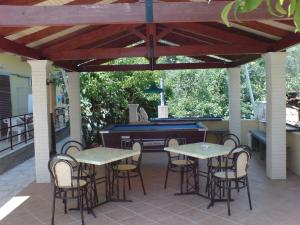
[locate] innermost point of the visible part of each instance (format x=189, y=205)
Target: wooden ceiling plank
x=264, y=28
x=220, y=35
x=88, y=37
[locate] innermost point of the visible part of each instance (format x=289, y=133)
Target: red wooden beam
x=121, y=13
x=5, y=31
x=187, y=50
x=220, y=49
x=143, y=67
x=284, y=43
x=243, y=60
x=19, y=49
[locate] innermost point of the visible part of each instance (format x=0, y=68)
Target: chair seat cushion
x=216, y=164
x=231, y=175
x=124, y=167
x=182, y=162
x=75, y=183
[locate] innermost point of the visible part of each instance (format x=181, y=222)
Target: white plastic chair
x=12, y=128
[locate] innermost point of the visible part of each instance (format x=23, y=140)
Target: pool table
x=152, y=135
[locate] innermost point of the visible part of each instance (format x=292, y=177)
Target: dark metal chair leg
x=124, y=181
x=142, y=182
x=166, y=179
x=87, y=201
x=248, y=190
x=181, y=179
x=213, y=191
x=53, y=206
x=81, y=205
x=118, y=191
x=113, y=182
x=128, y=178
x=65, y=202
x=195, y=178
x=228, y=197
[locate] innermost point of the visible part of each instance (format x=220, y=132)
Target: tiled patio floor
x=274, y=203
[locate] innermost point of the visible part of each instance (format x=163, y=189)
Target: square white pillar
x=41, y=118
x=234, y=95
x=276, y=119
x=163, y=111
x=133, y=113
x=75, y=109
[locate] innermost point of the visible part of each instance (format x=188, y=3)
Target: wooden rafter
x=175, y=66
x=187, y=50
x=10, y=46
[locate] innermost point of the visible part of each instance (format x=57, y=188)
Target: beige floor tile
x=136, y=220
x=216, y=220
x=120, y=214
x=274, y=202
x=196, y=215
x=20, y=217
x=176, y=207
x=157, y=214
x=175, y=220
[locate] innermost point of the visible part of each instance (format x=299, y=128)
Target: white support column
x=234, y=95
x=41, y=118
x=276, y=119
x=133, y=113
x=75, y=109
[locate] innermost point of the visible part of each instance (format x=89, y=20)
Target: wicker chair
x=230, y=140
x=88, y=171
x=68, y=183
x=129, y=169
x=178, y=163
x=237, y=174
x=72, y=147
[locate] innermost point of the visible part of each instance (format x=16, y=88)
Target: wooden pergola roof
x=85, y=37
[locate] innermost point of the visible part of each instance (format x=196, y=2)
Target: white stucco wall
x=20, y=81
x=20, y=85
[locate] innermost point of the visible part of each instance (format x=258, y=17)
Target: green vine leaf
x=297, y=17
x=279, y=8
x=292, y=7
x=225, y=12
x=281, y=2
x=270, y=8
x=248, y=5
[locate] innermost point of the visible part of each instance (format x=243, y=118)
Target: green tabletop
x=201, y=150
x=102, y=155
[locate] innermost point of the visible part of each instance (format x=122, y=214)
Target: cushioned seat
x=75, y=183
x=125, y=167
x=216, y=164
x=230, y=175
x=182, y=162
